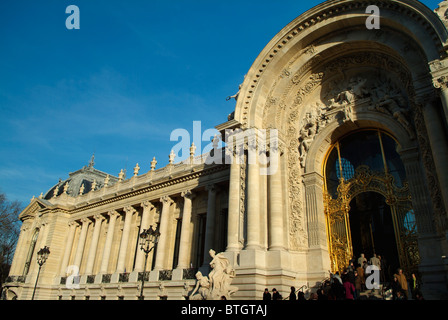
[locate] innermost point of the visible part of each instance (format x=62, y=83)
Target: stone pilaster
x=162, y=246
x=68, y=246
x=145, y=224
x=211, y=218
x=121, y=264
x=108, y=244
x=185, y=234
x=81, y=242
x=94, y=244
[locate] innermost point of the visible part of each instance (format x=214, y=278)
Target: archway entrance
x=372, y=229
x=367, y=202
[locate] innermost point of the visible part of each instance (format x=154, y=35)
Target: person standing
x=357, y=286
x=403, y=282
x=292, y=294
x=362, y=280
x=415, y=287
x=362, y=259
x=349, y=289
x=374, y=261
x=266, y=295
x=395, y=286
x=276, y=295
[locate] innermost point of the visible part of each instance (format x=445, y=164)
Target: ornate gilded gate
x=338, y=224
x=352, y=182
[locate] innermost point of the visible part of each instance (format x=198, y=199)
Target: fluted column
x=129, y=211
x=253, y=199
x=439, y=146
x=185, y=235
x=210, y=224
x=145, y=224
x=234, y=206
x=275, y=213
x=68, y=246
x=108, y=244
x=163, y=240
x=81, y=242
x=94, y=244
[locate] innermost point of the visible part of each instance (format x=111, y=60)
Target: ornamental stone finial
x=172, y=156
x=66, y=187
x=94, y=185
x=106, y=181
x=81, y=190
x=136, y=170
x=120, y=175
x=192, y=149
x=153, y=164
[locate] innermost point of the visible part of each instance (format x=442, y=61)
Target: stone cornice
x=162, y=184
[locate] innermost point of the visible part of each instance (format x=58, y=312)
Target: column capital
x=439, y=72
x=112, y=213
x=85, y=221
x=73, y=223
x=440, y=82
x=166, y=199
x=313, y=178
x=212, y=187
x=129, y=209
x=98, y=217
x=188, y=194
x=147, y=205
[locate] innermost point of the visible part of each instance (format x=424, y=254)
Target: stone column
x=145, y=224
x=441, y=83
x=275, y=213
x=234, y=206
x=210, y=223
x=185, y=234
x=318, y=254
x=439, y=146
x=94, y=244
x=160, y=263
x=430, y=249
x=121, y=264
x=18, y=254
x=109, y=238
x=253, y=199
x=68, y=247
x=81, y=242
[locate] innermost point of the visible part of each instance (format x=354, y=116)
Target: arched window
x=409, y=222
x=371, y=147
x=30, y=252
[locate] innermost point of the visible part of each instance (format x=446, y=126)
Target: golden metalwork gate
x=338, y=224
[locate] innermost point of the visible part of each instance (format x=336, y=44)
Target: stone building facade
x=362, y=122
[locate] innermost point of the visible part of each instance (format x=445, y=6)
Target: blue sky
x=117, y=87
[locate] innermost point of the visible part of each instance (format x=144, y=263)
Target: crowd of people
x=351, y=284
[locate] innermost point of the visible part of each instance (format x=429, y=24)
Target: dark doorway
x=372, y=229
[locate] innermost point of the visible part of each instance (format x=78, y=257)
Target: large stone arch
x=292, y=76
x=411, y=19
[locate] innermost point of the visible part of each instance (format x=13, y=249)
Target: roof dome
x=88, y=177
